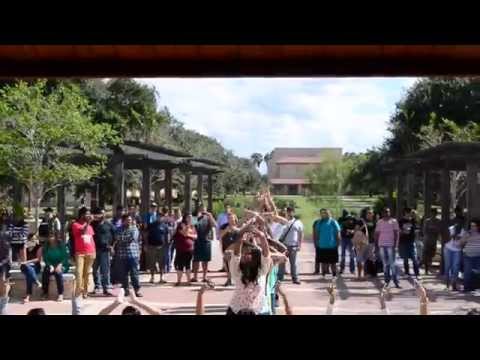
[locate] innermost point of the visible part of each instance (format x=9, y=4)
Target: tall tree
x=257, y=159
x=42, y=131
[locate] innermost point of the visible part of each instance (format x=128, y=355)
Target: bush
x=284, y=203
x=379, y=205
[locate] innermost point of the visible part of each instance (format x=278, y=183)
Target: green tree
x=43, y=131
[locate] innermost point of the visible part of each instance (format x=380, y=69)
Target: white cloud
x=257, y=114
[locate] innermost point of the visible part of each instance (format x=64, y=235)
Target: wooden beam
x=210, y=192
x=200, y=188
x=187, y=193
x=427, y=192
x=118, y=185
x=445, y=195
x=400, y=204
x=473, y=193
x=168, y=188
x=61, y=208
x=146, y=189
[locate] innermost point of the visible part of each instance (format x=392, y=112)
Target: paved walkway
x=311, y=297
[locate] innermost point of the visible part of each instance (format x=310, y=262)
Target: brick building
x=287, y=168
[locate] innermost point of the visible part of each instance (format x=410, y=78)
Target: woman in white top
x=452, y=253
x=249, y=267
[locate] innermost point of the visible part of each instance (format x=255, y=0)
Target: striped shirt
x=19, y=232
x=472, y=247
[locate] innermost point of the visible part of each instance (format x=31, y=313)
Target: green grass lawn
x=307, y=208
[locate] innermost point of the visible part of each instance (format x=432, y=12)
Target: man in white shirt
x=292, y=237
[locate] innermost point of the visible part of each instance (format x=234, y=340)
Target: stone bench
x=19, y=287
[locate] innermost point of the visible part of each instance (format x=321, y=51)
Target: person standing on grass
x=158, y=241
x=432, y=230
x=83, y=233
x=55, y=256
x=127, y=245
x=185, y=237
x=104, y=235
x=292, y=237
x=202, y=252
x=406, y=246
x=326, y=238
x=471, y=257
x=387, y=235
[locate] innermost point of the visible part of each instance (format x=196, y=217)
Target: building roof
x=289, y=181
x=299, y=160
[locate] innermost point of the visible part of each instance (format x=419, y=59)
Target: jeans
x=409, y=252
x=471, y=267
x=102, y=263
x=30, y=271
x=387, y=254
x=346, y=244
x=83, y=264
x=452, y=265
x=167, y=257
x=46, y=281
x=292, y=258
x=129, y=266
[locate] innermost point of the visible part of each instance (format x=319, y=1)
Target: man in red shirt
x=84, y=250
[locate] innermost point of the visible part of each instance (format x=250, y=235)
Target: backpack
x=159, y=234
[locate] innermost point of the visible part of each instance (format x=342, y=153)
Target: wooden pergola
x=437, y=161
x=145, y=157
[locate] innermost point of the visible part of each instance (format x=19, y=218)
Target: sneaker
x=193, y=280
x=228, y=283
x=177, y=284
x=26, y=300
x=138, y=294
x=39, y=284
x=397, y=285
x=60, y=298
x=162, y=281
x=152, y=280
x=108, y=294
x=296, y=282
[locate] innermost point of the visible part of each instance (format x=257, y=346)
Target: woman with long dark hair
x=56, y=259
x=249, y=267
x=31, y=266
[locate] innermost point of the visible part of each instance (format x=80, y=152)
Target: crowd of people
x=256, y=250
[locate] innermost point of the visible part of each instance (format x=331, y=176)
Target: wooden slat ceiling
x=237, y=60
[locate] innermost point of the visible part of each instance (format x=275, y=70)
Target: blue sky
x=250, y=115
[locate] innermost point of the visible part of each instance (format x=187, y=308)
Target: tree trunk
x=37, y=213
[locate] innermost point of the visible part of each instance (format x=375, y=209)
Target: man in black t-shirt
x=103, y=238
x=347, y=223
x=406, y=245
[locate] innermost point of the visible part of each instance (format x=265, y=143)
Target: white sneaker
x=60, y=298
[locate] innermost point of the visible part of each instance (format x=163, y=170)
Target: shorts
x=327, y=256
x=5, y=272
x=183, y=261
x=202, y=251
x=154, y=255
x=362, y=254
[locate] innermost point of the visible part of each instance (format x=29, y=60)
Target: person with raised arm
x=249, y=266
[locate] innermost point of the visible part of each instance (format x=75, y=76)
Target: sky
x=249, y=115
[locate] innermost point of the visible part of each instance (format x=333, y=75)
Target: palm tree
x=257, y=159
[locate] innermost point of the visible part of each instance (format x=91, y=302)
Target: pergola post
x=61, y=208
x=200, y=188
x=210, y=192
x=101, y=194
x=427, y=193
x=187, y=192
x=118, y=185
x=168, y=188
x=146, y=189
x=445, y=195
x=400, y=196
x=473, y=201
x=410, y=196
